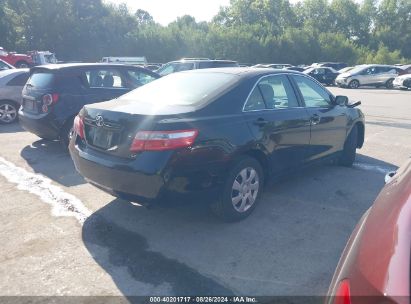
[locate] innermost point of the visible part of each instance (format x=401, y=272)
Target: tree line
x=249, y=31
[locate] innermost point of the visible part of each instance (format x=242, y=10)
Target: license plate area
x=100, y=137
x=29, y=105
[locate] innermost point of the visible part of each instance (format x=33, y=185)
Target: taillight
x=78, y=126
x=163, y=140
x=49, y=99
x=342, y=294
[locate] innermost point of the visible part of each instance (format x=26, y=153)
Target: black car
x=214, y=134
x=324, y=75
x=54, y=94
x=335, y=65
x=187, y=64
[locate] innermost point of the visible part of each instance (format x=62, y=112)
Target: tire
x=349, y=152
x=22, y=65
x=407, y=84
x=241, y=191
x=389, y=84
x=354, y=84
x=8, y=112
x=66, y=133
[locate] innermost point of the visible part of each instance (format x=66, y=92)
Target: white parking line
x=375, y=168
x=62, y=203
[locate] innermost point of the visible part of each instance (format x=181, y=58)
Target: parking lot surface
x=62, y=236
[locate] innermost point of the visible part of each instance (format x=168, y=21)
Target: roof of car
x=13, y=72
x=245, y=71
x=202, y=60
x=60, y=66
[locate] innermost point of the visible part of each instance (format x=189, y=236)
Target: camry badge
x=99, y=121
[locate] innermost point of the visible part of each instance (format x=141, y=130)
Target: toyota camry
x=217, y=134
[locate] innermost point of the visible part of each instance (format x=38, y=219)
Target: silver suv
x=368, y=75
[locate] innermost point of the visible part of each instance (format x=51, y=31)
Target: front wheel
x=241, y=192
x=349, y=152
x=389, y=84
x=354, y=84
x=8, y=112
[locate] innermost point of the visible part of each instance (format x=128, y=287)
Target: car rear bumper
x=41, y=125
x=138, y=181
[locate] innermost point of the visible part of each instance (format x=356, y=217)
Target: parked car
x=17, y=60
x=214, y=134
x=5, y=66
x=294, y=68
x=42, y=57
x=273, y=65
x=406, y=68
x=403, y=82
x=335, y=65
x=186, y=64
x=12, y=82
x=324, y=75
x=375, y=264
x=369, y=75
x=54, y=94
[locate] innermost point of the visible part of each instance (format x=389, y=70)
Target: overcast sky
x=165, y=11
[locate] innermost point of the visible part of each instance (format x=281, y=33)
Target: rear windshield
x=182, y=89
x=41, y=80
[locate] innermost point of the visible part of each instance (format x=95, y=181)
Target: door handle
x=261, y=122
x=315, y=119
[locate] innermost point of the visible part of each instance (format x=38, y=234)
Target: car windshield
x=357, y=69
x=41, y=80
x=182, y=89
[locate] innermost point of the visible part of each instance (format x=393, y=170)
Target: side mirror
x=341, y=100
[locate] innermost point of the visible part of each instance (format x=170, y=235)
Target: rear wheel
x=347, y=157
x=242, y=190
x=389, y=84
x=8, y=112
x=354, y=84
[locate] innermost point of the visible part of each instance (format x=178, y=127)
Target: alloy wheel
x=245, y=189
x=8, y=113
x=354, y=84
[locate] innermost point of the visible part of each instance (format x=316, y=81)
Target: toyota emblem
x=99, y=121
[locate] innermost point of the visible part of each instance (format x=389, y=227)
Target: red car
x=375, y=265
x=17, y=60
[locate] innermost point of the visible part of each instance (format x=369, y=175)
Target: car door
x=328, y=121
x=329, y=76
x=278, y=122
x=368, y=76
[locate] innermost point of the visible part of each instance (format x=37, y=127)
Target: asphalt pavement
x=61, y=236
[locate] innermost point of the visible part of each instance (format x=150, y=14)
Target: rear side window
x=41, y=80
x=105, y=78
x=19, y=80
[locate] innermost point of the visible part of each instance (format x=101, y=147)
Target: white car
x=402, y=82
x=369, y=75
